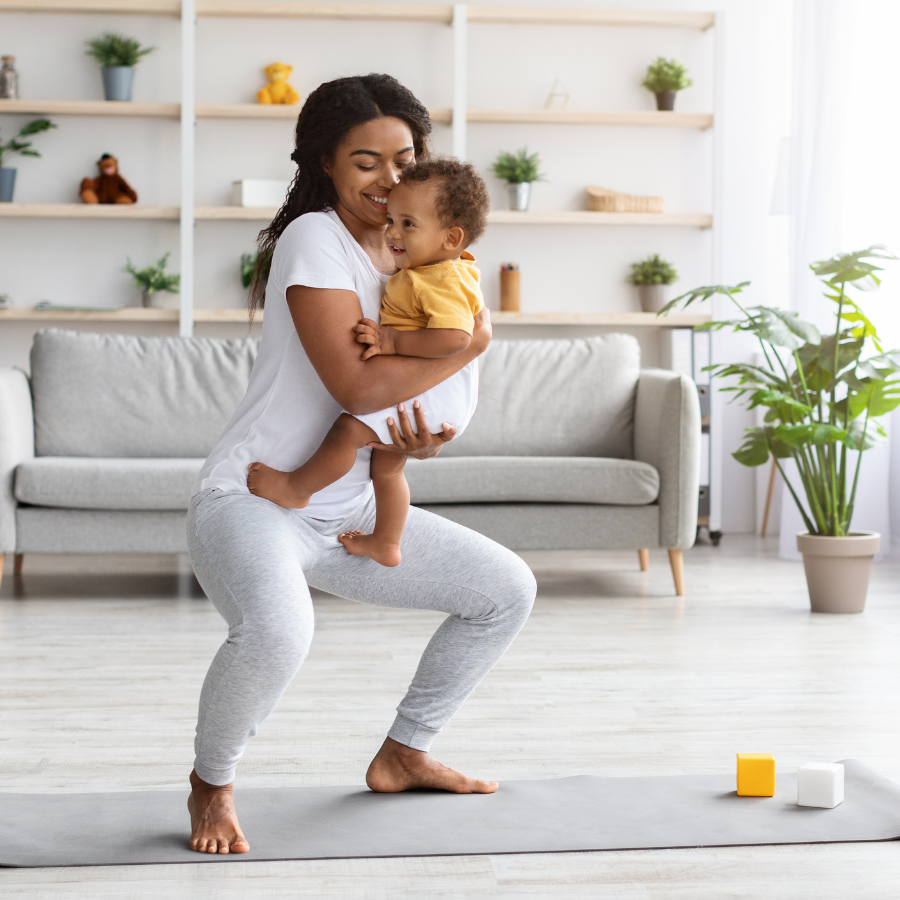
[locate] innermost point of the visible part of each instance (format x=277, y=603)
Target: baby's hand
x=379, y=338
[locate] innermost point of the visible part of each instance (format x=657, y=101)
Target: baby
x=437, y=210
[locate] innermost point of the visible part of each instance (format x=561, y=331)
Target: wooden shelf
x=585, y=217
x=129, y=7
x=642, y=118
x=440, y=115
x=391, y=12
x=632, y=18
x=91, y=108
x=239, y=316
x=87, y=211
x=267, y=213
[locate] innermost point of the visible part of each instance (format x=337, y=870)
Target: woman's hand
x=421, y=445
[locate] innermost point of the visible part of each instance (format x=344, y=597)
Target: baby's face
x=414, y=233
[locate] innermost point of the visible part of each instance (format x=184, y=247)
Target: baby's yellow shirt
x=442, y=295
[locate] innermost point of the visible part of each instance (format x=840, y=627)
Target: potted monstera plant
x=823, y=396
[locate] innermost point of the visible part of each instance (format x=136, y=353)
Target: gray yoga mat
x=584, y=812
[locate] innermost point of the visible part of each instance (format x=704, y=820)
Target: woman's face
x=367, y=165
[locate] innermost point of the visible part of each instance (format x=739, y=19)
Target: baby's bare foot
x=276, y=486
x=400, y=768
x=361, y=544
x=214, y=824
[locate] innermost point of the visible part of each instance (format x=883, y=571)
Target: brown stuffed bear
x=110, y=187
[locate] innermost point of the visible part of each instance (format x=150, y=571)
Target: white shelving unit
x=459, y=18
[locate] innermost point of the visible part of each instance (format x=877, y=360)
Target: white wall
x=565, y=268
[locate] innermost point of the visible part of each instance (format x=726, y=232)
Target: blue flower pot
x=7, y=185
x=117, y=81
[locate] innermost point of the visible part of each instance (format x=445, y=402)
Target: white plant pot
x=837, y=569
x=653, y=296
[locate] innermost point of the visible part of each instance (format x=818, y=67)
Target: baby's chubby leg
x=333, y=460
x=391, y=510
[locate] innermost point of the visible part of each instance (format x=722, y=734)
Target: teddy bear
x=110, y=187
x=278, y=90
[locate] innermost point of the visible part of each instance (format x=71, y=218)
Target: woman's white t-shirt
x=287, y=411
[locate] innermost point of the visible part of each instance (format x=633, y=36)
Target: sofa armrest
x=16, y=445
x=667, y=435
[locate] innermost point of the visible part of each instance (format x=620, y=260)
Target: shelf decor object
x=604, y=200
x=153, y=279
x=118, y=55
x=519, y=170
x=278, y=92
x=652, y=278
x=23, y=148
x=259, y=192
x=9, y=79
x=664, y=78
x=109, y=186
x=510, y=284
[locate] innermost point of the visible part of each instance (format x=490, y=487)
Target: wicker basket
x=603, y=200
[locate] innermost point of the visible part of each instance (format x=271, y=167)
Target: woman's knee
x=278, y=642
x=516, y=589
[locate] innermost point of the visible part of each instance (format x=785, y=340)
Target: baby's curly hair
x=461, y=196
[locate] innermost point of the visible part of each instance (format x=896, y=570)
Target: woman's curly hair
x=461, y=196
x=330, y=111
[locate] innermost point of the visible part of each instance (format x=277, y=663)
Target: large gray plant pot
x=7, y=185
x=117, y=82
x=837, y=570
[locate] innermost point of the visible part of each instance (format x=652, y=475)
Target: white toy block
x=820, y=784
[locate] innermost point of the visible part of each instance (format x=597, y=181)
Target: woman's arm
x=325, y=321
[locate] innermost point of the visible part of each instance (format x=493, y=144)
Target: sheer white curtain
x=845, y=195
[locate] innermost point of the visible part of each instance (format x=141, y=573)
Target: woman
x=254, y=559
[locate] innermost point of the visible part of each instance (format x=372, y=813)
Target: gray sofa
x=573, y=446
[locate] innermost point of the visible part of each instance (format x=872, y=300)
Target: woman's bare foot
x=214, y=824
x=361, y=544
x=400, y=768
x=270, y=484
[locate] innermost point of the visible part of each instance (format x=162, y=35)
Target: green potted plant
x=23, y=148
x=117, y=55
x=665, y=77
x=153, y=279
x=519, y=170
x=651, y=277
x=823, y=397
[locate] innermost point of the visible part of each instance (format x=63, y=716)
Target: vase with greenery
x=664, y=78
x=118, y=55
x=519, y=170
x=823, y=396
x=652, y=277
x=153, y=279
x=23, y=147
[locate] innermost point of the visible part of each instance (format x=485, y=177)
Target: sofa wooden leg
x=2, y=564
x=644, y=559
x=18, y=563
x=676, y=561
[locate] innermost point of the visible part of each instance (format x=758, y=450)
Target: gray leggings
x=255, y=559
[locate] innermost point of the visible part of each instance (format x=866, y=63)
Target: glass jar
x=9, y=79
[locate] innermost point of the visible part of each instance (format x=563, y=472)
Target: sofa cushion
x=89, y=483
x=116, y=395
x=547, y=479
x=555, y=398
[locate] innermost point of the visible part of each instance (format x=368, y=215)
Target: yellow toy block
x=755, y=775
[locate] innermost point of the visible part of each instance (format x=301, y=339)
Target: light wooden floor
x=101, y=661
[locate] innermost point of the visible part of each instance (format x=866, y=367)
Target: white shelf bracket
x=188, y=129
x=460, y=100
